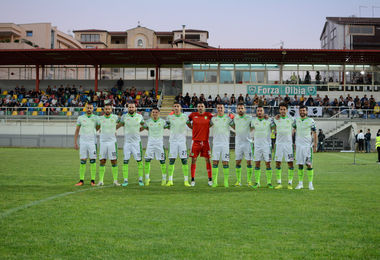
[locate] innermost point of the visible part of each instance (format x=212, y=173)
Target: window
x=199, y=76
x=333, y=34
x=361, y=30
x=90, y=37
x=194, y=37
x=29, y=33
x=140, y=43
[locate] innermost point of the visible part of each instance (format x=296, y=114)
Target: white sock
x=186, y=178
x=146, y=176
x=310, y=183
x=290, y=182
x=300, y=183
x=140, y=178
x=126, y=180
x=164, y=177
x=279, y=182
x=171, y=178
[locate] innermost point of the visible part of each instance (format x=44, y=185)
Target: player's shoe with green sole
x=278, y=187
x=141, y=183
x=170, y=183
x=270, y=186
x=163, y=183
x=186, y=183
x=125, y=184
x=249, y=183
x=237, y=184
x=100, y=183
x=147, y=182
x=215, y=184
x=256, y=186
x=115, y=183
x=290, y=187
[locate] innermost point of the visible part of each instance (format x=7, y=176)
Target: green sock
x=300, y=175
x=215, y=171
x=257, y=175
x=125, y=170
x=163, y=168
x=147, y=168
x=238, y=173
x=102, y=170
x=171, y=169
x=310, y=174
x=290, y=174
x=268, y=173
x=140, y=169
x=185, y=170
x=249, y=172
x=115, y=171
x=226, y=173
x=93, y=171
x=82, y=170
x=278, y=175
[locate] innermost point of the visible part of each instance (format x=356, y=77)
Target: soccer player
x=108, y=144
x=86, y=127
x=305, y=129
x=284, y=145
x=155, y=147
x=262, y=145
x=243, y=143
x=200, y=123
x=220, y=144
x=133, y=124
x=177, y=143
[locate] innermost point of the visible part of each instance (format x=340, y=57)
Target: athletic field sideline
x=42, y=214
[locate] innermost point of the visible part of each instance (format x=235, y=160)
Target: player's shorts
x=155, y=150
x=284, y=151
x=262, y=153
x=87, y=150
x=177, y=149
x=108, y=150
x=221, y=152
x=201, y=148
x=243, y=149
x=304, y=155
x=134, y=149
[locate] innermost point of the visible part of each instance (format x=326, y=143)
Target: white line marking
x=34, y=203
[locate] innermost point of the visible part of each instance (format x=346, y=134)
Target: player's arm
x=76, y=137
x=189, y=124
x=315, y=138
x=120, y=124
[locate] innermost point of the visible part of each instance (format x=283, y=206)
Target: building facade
x=142, y=37
x=35, y=35
x=351, y=33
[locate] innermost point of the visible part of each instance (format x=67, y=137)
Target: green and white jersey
x=155, y=130
x=178, y=127
x=262, y=131
x=108, y=127
x=87, y=127
x=304, y=128
x=221, y=130
x=284, y=129
x=132, y=124
x=242, y=128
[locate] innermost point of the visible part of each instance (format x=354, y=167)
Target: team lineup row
x=200, y=122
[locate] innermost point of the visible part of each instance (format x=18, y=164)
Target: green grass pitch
x=43, y=216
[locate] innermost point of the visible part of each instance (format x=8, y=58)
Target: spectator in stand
x=307, y=78
x=318, y=78
x=178, y=97
x=209, y=101
x=248, y=100
x=372, y=102
x=240, y=98
x=233, y=100
x=120, y=84
x=287, y=99
x=225, y=99
x=187, y=99
x=367, y=138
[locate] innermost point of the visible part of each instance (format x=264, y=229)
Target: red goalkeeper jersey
x=201, y=125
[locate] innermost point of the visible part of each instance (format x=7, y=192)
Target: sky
x=231, y=24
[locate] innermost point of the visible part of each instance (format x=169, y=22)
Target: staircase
x=340, y=128
x=167, y=105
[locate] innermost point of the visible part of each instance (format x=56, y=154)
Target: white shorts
x=243, y=149
x=304, y=155
x=262, y=153
x=134, y=149
x=108, y=150
x=155, y=151
x=87, y=150
x=284, y=151
x=221, y=152
x=177, y=149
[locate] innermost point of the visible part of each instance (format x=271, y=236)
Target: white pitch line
x=34, y=203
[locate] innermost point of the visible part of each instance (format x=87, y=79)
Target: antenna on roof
x=281, y=43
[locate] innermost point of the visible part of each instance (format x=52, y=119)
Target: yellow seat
x=23, y=100
x=40, y=104
x=147, y=93
x=34, y=113
x=14, y=113
x=64, y=109
x=5, y=92
x=14, y=97
x=138, y=97
x=99, y=109
x=69, y=113
x=158, y=97
x=44, y=109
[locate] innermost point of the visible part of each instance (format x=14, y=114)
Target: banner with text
x=282, y=90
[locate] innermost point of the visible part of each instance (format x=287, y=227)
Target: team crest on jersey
x=205, y=117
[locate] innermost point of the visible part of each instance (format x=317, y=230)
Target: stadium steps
x=167, y=105
x=340, y=128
